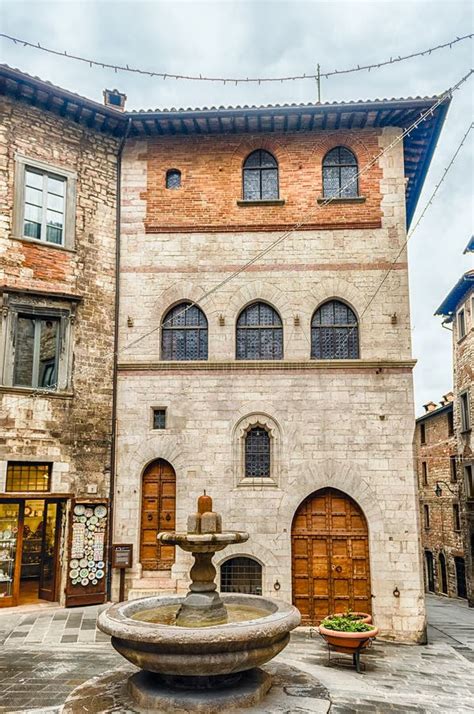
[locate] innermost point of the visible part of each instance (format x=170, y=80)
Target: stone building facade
x=58, y=166
x=437, y=464
x=458, y=312
x=283, y=387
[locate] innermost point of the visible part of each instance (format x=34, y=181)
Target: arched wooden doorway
x=158, y=514
x=330, y=556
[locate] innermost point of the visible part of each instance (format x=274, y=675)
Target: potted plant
x=347, y=634
x=359, y=616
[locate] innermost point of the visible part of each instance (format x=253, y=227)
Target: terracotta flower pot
x=348, y=641
x=359, y=616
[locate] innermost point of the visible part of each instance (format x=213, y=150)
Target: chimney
x=430, y=407
x=115, y=99
x=447, y=398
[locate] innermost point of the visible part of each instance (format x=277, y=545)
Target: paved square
x=47, y=653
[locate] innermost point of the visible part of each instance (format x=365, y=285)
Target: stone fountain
x=201, y=652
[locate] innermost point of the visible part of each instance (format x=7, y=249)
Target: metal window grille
x=260, y=176
x=241, y=575
x=25, y=476
x=159, y=418
x=184, y=333
x=257, y=453
x=44, y=206
x=36, y=351
x=340, y=168
x=173, y=179
x=334, y=332
x=259, y=333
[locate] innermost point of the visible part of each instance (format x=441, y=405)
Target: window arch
x=241, y=575
x=257, y=453
x=184, y=333
x=173, y=178
x=334, y=332
x=260, y=176
x=340, y=168
x=259, y=333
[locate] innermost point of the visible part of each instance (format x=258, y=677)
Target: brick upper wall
x=211, y=182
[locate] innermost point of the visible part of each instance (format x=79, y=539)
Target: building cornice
x=348, y=365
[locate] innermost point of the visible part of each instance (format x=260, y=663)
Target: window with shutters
x=259, y=333
x=340, y=174
x=260, y=177
x=184, y=333
x=334, y=332
x=257, y=453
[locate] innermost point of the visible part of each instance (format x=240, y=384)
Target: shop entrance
x=30, y=531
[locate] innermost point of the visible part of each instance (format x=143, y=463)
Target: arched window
x=260, y=176
x=443, y=576
x=173, y=178
x=340, y=174
x=334, y=332
x=259, y=333
x=257, y=453
x=241, y=575
x=184, y=333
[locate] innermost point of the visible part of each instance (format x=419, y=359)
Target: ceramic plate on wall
x=100, y=511
x=85, y=581
x=73, y=573
x=99, y=574
x=79, y=509
x=74, y=563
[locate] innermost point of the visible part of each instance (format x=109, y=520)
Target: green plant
x=347, y=623
x=349, y=614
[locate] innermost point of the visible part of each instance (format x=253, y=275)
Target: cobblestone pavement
x=45, y=654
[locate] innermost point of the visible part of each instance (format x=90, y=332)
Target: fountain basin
x=211, y=651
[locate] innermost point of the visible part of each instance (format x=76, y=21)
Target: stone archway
x=158, y=513
x=330, y=556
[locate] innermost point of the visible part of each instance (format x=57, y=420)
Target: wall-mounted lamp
x=276, y=585
x=439, y=491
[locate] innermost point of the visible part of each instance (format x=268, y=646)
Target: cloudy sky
x=267, y=38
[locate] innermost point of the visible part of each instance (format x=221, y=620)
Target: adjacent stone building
x=58, y=168
x=440, y=506
x=458, y=312
x=264, y=350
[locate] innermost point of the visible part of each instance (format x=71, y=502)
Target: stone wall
x=442, y=535
x=349, y=426
x=72, y=427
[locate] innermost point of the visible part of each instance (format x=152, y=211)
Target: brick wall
x=211, y=182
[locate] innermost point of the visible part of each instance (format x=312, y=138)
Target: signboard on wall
x=87, y=553
x=122, y=555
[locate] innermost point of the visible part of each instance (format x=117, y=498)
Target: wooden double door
x=158, y=514
x=330, y=557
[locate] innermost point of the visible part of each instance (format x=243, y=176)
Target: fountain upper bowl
x=203, y=542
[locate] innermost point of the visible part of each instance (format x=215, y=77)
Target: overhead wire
x=233, y=80
x=423, y=116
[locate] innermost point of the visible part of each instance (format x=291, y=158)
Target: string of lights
x=413, y=229
x=235, y=80
x=423, y=116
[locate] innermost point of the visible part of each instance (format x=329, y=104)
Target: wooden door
x=330, y=557
x=158, y=514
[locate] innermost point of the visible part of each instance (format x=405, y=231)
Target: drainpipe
x=114, y=375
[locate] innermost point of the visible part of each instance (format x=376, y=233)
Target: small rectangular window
x=426, y=513
x=159, y=418
x=424, y=470
x=36, y=351
x=469, y=482
x=25, y=476
x=456, y=517
x=450, y=423
x=423, y=433
x=465, y=415
x=461, y=323
x=452, y=465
